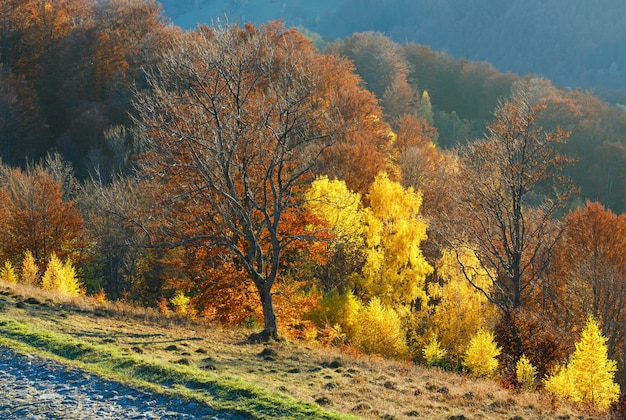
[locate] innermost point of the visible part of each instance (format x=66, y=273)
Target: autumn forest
x=378, y=197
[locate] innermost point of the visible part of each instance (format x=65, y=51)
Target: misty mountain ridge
x=574, y=43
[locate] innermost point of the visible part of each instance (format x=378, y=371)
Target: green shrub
x=433, y=353
x=338, y=311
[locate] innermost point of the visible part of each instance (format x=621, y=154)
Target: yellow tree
x=458, y=300
x=561, y=383
x=339, y=213
x=60, y=277
x=338, y=312
x=525, y=373
x=340, y=208
x=433, y=353
x=589, y=376
x=480, y=356
x=379, y=330
x=394, y=269
x=7, y=273
x=592, y=370
x=29, y=273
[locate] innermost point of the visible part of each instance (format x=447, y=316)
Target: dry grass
x=368, y=387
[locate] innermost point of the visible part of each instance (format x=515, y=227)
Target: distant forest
x=574, y=43
x=67, y=85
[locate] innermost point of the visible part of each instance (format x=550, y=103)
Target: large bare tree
x=511, y=190
x=236, y=119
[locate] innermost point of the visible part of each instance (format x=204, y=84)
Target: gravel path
x=35, y=388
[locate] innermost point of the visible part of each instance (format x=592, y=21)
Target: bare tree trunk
x=270, y=329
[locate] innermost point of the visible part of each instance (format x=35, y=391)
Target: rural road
x=32, y=388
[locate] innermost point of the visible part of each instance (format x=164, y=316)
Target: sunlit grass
x=216, y=365
x=221, y=392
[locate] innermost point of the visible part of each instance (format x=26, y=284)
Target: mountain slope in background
x=575, y=43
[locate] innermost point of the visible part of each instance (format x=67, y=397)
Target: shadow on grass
x=222, y=393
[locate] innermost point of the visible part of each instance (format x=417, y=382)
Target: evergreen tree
x=526, y=373
x=51, y=279
x=7, y=273
x=30, y=271
x=593, y=372
x=589, y=376
x=70, y=283
x=425, y=109
x=60, y=277
x=433, y=353
x=561, y=383
x=379, y=330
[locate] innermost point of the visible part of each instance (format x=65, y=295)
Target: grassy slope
x=218, y=366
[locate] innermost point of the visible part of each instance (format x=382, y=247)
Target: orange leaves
x=223, y=292
x=237, y=119
x=361, y=150
x=413, y=132
x=40, y=24
x=595, y=231
x=356, y=161
x=226, y=296
x=37, y=218
x=125, y=31
x=293, y=300
x=590, y=263
x=589, y=275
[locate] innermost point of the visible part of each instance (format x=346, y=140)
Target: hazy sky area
x=575, y=43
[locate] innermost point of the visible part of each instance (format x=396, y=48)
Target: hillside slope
x=220, y=367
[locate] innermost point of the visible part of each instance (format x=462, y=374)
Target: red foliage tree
x=36, y=217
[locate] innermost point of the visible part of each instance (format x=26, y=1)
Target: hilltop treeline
x=68, y=72
x=573, y=43
x=463, y=94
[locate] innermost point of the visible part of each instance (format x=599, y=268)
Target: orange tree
x=34, y=216
x=235, y=121
x=589, y=276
